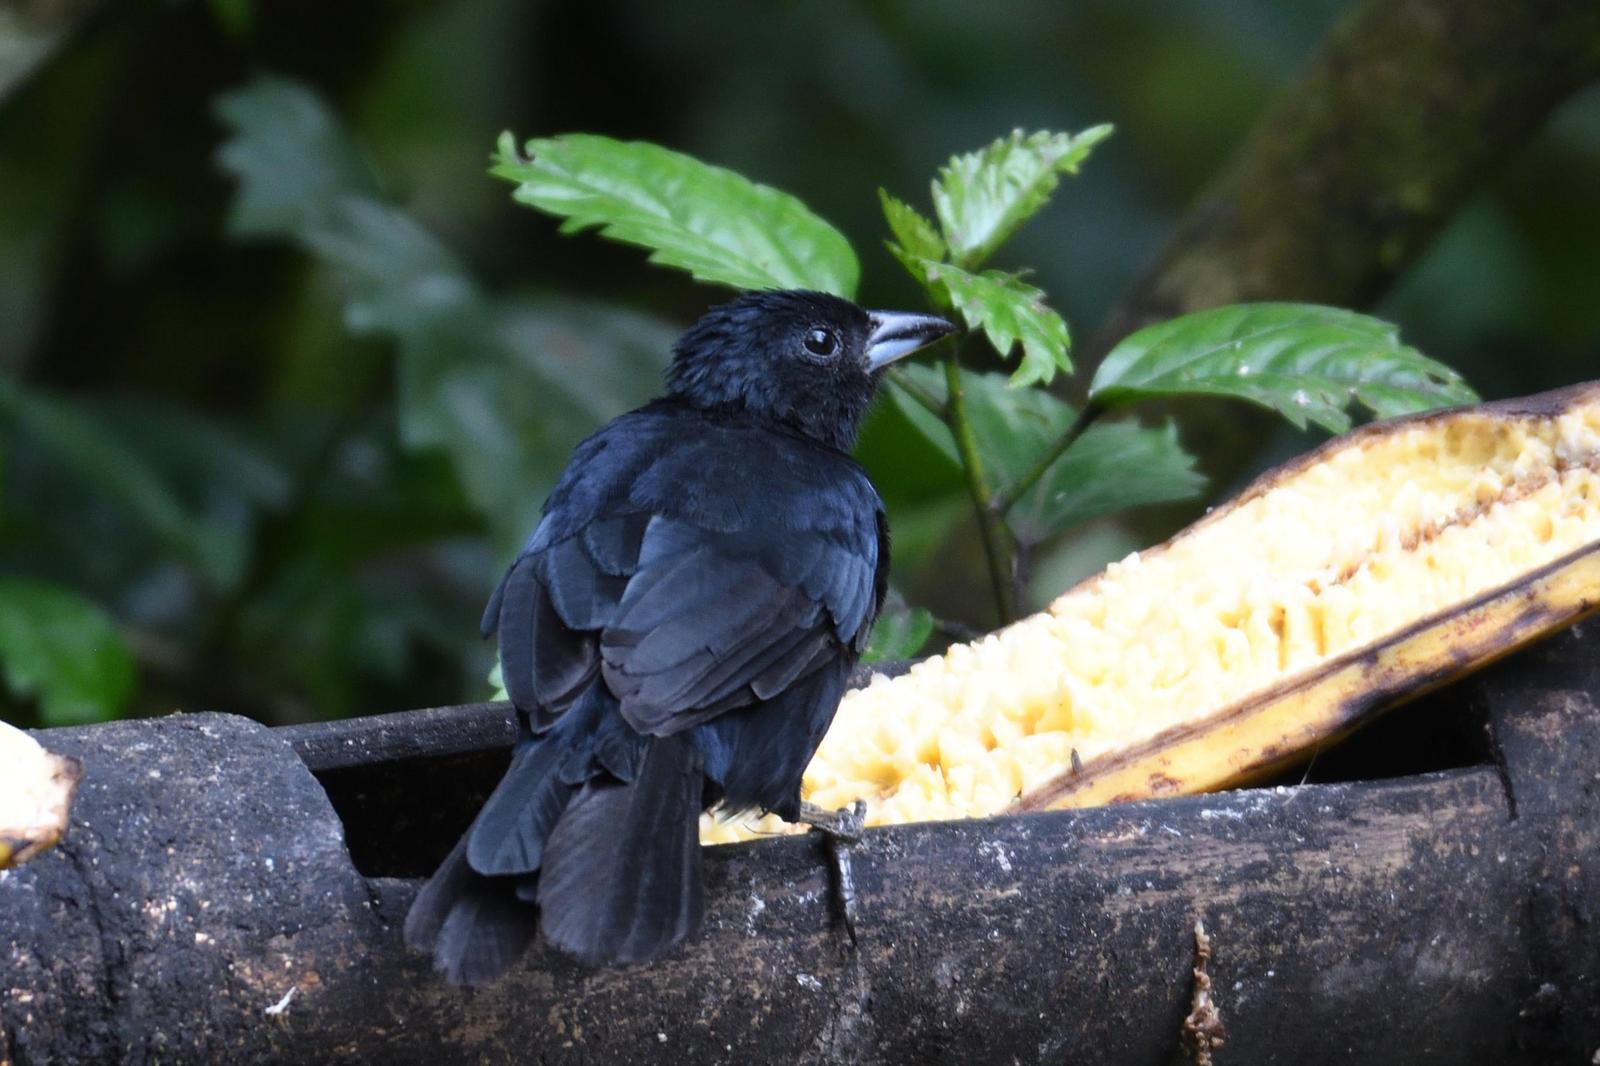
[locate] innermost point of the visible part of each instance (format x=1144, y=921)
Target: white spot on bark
x=282, y=1004
x=996, y=851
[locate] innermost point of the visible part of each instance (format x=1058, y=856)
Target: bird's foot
x=843, y=829
x=843, y=825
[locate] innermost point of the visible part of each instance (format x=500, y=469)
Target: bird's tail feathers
x=508, y=836
x=605, y=861
x=620, y=879
x=473, y=914
x=473, y=926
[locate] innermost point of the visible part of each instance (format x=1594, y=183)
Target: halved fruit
x=36, y=791
x=1386, y=562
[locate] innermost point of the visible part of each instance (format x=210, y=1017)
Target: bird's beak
x=896, y=334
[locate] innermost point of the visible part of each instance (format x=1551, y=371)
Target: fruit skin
x=35, y=798
x=1268, y=730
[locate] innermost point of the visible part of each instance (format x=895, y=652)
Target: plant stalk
x=991, y=528
x=1004, y=501
x=922, y=396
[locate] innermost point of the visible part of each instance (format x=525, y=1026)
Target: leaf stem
x=1004, y=501
x=991, y=527
x=937, y=407
x=948, y=627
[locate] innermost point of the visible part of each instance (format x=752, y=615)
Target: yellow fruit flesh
x=1332, y=555
x=36, y=791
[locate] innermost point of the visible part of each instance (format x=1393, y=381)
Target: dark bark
x=1450, y=917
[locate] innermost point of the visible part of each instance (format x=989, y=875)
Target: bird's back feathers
x=677, y=631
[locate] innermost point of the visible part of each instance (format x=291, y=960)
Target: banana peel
x=36, y=790
x=1387, y=562
x=1263, y=733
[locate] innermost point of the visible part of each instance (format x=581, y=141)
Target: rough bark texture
x=205, y=909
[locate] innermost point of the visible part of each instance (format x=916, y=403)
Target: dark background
x=204, y=437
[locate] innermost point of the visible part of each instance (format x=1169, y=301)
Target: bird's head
x=804, y=359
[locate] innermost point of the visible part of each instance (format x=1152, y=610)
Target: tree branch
x=228, y=893
x=1345, y=181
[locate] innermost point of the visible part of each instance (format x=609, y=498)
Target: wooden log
x=204, y=908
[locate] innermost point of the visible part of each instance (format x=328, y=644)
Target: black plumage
x=676, y=633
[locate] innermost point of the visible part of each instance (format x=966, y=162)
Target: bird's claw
x=844, y=825
x=843, y=829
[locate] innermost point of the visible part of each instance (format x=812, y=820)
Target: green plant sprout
x=1033, y=466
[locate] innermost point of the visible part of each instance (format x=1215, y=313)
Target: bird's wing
x=550, y=608
x=711, y=574
x=714, y=620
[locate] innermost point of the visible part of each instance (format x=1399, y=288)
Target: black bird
x=677, y=632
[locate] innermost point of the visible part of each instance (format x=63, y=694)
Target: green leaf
x=290, y=154
x=914, y=235
x=1305, y=361
x=982, y=197
x=1009, y=311
x=198, y=455
x=236, y=17
x=899, y=633
x=716, y=224
x=1114, y=465
x=81, y=443
x=64, y=651
x=471, y=366
x=923, y=491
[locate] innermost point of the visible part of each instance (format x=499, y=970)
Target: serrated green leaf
x=1009, y=311
x=982, y=197
x=914, y=233
x=472, y=368
x=1114, y=465
x=899, y=633
x=65, y=652
x=718, y=225
x=290, y=154
x=914, y=267
x=1305, y=361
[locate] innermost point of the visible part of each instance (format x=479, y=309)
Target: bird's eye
x=822, y=342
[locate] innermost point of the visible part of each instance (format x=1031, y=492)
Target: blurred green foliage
x=282, y=419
